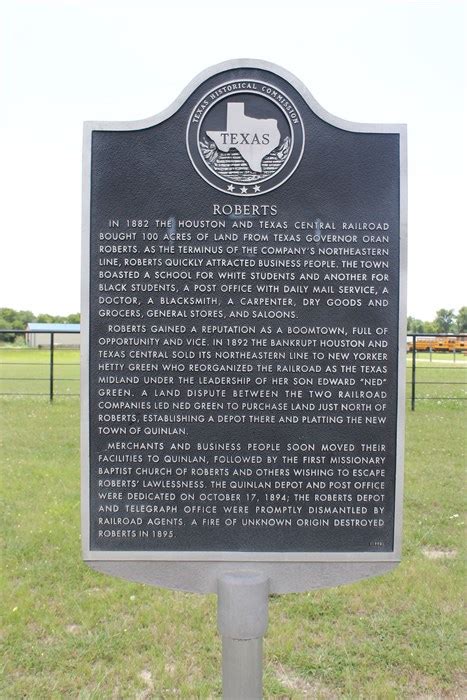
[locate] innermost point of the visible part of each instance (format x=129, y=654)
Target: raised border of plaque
x=199, y=570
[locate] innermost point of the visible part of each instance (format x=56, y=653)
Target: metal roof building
x=39, y=334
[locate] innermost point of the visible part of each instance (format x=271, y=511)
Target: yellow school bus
x=438, y=343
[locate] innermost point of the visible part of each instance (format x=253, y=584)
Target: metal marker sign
x=244, y=261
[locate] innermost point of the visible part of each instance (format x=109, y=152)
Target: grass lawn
x=27, y=371
x=72, y=633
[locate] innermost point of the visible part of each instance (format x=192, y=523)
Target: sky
x=68, y=61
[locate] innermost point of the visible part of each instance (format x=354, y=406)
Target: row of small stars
x=244, y=190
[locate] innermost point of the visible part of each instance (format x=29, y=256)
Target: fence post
x=414, y=362
x=51, y=386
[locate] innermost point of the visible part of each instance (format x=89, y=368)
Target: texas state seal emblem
x=245, y=137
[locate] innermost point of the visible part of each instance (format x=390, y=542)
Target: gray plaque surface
x=243, y=321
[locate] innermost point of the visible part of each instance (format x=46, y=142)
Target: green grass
x=27, y=371
x=72, y=633
x=444, y=377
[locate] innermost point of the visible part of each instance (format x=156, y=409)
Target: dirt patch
x=146, y=677
x=423, y=688
x=432, y=553
x=306, y=688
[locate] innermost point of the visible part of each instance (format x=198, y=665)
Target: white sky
x=66, y=61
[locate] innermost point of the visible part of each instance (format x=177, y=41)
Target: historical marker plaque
x=243, y=363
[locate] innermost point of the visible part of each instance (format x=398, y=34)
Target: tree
x=15, y=319
x=414, y=325
x=444, y=321
x=5, y=337
x=45, y=318
x=24, y=317
x=461, y=320
x=9, y=318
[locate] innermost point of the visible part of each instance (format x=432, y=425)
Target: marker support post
x=242, y=620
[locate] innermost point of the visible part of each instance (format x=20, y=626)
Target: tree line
x=10, y=318
x=445, y=321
